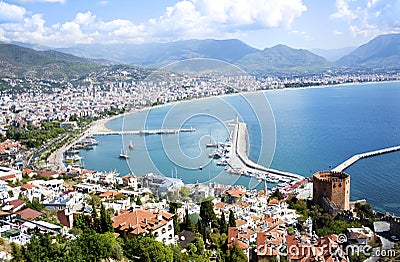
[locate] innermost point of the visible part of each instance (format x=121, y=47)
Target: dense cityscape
x=196, y=130
x=177, y=221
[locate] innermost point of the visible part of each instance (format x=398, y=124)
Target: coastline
x=102, y=125
x=56, y=157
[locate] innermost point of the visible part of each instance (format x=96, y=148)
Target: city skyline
x=296, y=23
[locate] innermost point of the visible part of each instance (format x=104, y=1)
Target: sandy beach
x=56, y=158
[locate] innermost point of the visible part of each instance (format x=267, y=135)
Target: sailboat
x=130, y=145
x=123, y=155
x=210, y=144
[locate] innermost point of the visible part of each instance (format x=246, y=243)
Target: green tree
x=223, y=227
x=300, y=206
x=185, y=192
x=145, y=248
x=138, y=201
x=232, y=219
x=105, y=220
x=177, y=253
x=173, y=207
x=188, y=222
x=40, y=248
x=235, y=254
x=16, y=253
x=93, y=246
x=277, y=194
x=81, y=222
x=199, y=243
x=218, y=242
x=207, y=214
x=95, y=219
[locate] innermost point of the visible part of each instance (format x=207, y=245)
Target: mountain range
x=383, y=52
x=17, y=61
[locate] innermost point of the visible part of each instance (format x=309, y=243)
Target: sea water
x=301, y=131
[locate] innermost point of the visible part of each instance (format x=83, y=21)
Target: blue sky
x=326, y=24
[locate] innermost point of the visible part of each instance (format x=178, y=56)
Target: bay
x=316, y=129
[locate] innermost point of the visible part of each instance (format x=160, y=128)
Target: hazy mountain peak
x=381, y=52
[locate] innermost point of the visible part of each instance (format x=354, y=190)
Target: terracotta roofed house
x=158, y=223
x=29, y=214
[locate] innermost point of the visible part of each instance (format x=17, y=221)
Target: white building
x=158, y=223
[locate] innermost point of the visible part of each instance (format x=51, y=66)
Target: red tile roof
x=46, y=173
x=29, y=214
x=110, y=194
x=234, y=192
x=27, y=186
x=235, y=236
x=15, y=203
x=8, y=177
x=141, y=221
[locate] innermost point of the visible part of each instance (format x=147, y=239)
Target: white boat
x=90, y=141
x=130, y=145
x=223, y=162
x=72, y=159
x=123, y=155
x=272, y=180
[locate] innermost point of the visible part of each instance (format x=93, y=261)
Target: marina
x=144, y=132
x=240, y=163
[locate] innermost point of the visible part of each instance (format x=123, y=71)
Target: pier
x=240, y=161
x=357, y=157
x=143, y=132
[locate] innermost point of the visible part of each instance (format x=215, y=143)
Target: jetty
x=357, y=157
x=143, y=132
x=240, y=161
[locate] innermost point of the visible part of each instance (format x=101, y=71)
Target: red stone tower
x=332, y=188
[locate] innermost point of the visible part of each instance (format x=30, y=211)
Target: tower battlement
x=334, y=186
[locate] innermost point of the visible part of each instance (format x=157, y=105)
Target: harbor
x=357, y=157
x=143, y=132
x=88, y=141
x=238, y=161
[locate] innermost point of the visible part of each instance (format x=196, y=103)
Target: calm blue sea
x=301, y=131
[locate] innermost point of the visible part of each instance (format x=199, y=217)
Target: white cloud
x=186, y=19
x=104, y=2
x=261, y=13
x=343, y=10
x=368, y=19
x=208, y=18
x=85, y=18
x=9, y=12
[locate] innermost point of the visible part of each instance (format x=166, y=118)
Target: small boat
x=90, y=141
x=272, y=180
x=123, y=155
x=72, y=159
x=223, y=162
x=211, y=145
x=71, y=152
x=88, y=147
x=130, y=145
x=77, y=146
